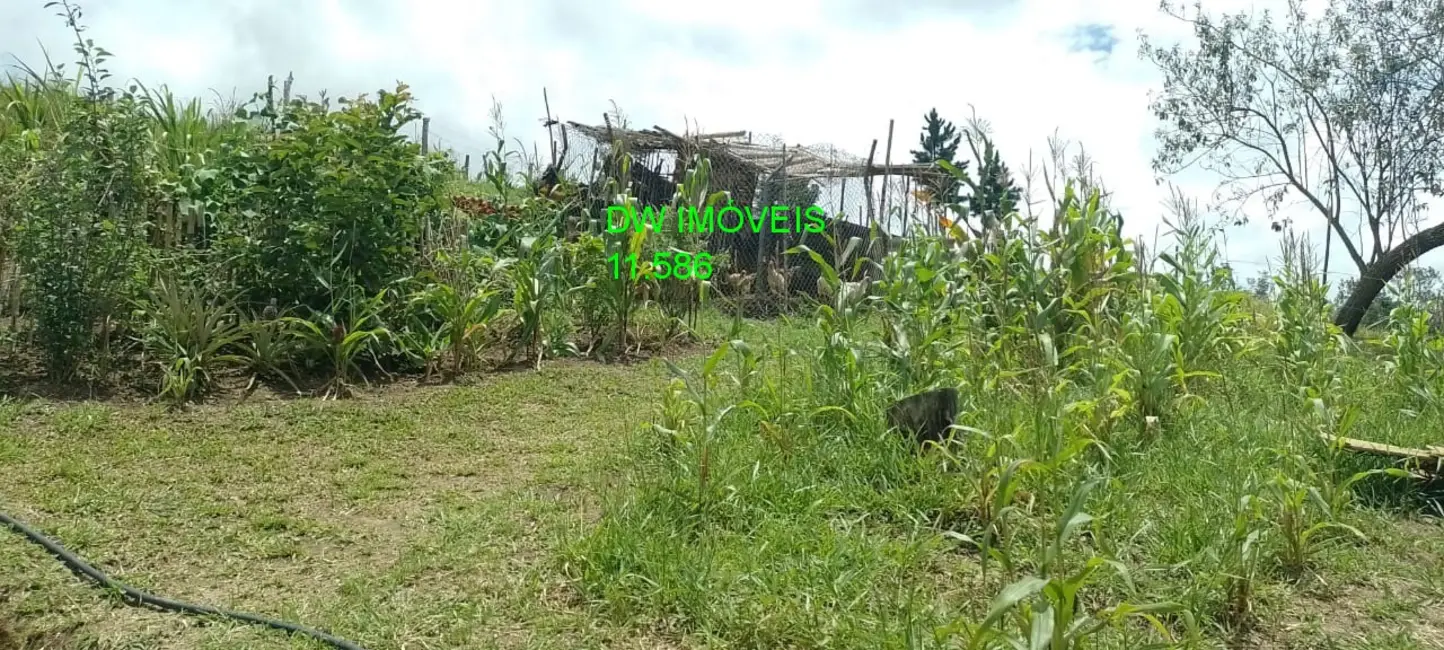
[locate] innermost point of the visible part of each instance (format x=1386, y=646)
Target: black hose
x=140, y=598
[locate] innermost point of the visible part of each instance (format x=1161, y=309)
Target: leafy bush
x=334, y=194
x=82, y=240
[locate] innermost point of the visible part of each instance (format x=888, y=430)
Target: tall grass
x=1114, y=481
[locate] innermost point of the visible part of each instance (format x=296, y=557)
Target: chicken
x=779, y=279
x=739, y=282
x=854, y=292
x=824, y=290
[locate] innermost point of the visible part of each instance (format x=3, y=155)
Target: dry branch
x=1430, y=459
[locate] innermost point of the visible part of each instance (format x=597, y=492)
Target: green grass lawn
x=518, y=512
x=421, y=518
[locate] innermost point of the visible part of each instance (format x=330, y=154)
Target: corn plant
x=1416, y=355
x=676, y=413
x=188, y=144
x=1045, y=610
x=1337, y=495
x=995, y=490
x=777, y=396
x=683, y=297
x=1239, y=559
x=922, y=337
x=615, y=292
x=1306, y=342
x=586, y=268
x=463, y=317
x=495, y=164
x=700, y=387
x=619, y=291
x=1306, y=521
x=1152, y=363
x=188, y=334
x=339, y=336
x=34, y=103
x=1201, y=311
x=841, y=358
x=422, y=345
x=536, y=289
x=1090, y=263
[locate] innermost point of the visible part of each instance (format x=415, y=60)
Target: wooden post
x=773, y=186
x=782, y=185
x=887, y=172
x=903, y=202
x=763, y=196
x=867, y=184
x=425, y=135
x=466, y=167
x=550, y=137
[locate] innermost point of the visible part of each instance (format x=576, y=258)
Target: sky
x=809, y=71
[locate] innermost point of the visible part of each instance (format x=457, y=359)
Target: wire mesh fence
x=878, y=202
x=785, y=196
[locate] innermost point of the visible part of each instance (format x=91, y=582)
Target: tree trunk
x=1376, y=275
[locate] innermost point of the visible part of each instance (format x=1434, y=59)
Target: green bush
x=82, y=241
x=334, y=194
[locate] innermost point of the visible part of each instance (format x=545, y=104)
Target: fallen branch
x=1430, y=459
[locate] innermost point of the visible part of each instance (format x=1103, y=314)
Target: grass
x=779, y=529
x=1139, y=466
x=529, y=510
x=408, y=518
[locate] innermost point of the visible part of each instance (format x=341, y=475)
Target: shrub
x=82, y=241
x=334, y=194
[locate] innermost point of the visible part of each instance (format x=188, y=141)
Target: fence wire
x=759, y=171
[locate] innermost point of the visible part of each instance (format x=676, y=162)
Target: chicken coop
x=877, y=203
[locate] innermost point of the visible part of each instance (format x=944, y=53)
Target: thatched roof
x=794, y=161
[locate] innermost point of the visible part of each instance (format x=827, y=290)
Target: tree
x=1261, y=286
x=1344, y=110
x=939, y=141
x=994, y=194
x=1416, y=285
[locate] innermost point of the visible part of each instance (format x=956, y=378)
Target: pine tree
x=994, y=194
x=939, y=141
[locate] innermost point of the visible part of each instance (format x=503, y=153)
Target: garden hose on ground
x=140, y=598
